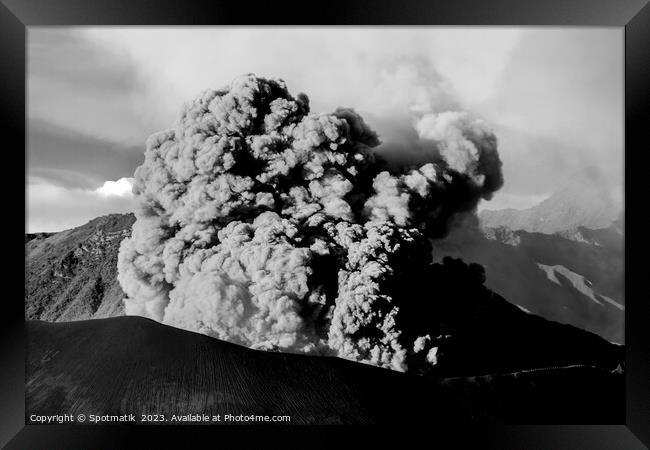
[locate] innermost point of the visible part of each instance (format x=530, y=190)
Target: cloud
x=558, y=108
x=380, y=71
x=75, y=85
x=119, y=188
x=264, y=224
x=52, y=207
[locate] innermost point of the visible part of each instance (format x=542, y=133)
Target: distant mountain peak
x=578, y=203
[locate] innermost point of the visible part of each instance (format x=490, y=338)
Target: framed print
x=258, y=220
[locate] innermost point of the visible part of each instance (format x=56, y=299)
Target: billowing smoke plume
x=264, y=225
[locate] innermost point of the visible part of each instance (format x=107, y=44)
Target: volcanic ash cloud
x=267, y=226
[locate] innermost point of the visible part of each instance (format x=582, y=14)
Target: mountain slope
x=517, y=262
x=135, y=365
x=71, y=275
x=131, y=365
x=557, y=274
x=479, y=332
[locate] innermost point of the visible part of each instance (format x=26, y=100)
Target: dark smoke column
x=264, y=225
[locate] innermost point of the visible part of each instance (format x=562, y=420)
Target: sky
x=553, y=96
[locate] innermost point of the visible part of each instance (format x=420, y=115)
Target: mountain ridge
x=515, y=262
x=580, y=203
x=72, y=274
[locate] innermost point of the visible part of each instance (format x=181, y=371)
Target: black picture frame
x=633, y=15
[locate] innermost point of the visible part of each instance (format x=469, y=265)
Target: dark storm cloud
x=72, y=159
x=61, y=55
x=77, y=84
x=68, y=179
